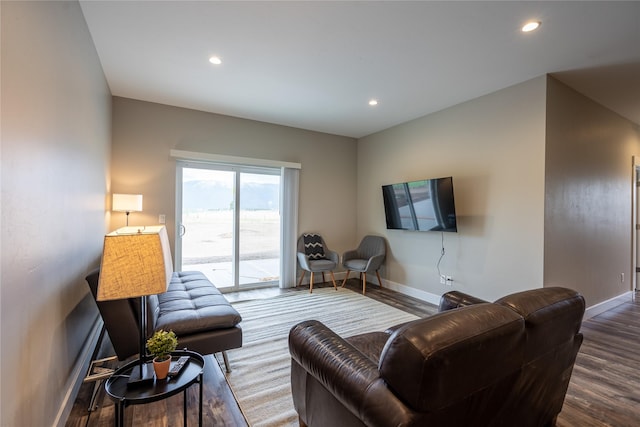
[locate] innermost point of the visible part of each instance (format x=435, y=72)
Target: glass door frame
x=238, y=169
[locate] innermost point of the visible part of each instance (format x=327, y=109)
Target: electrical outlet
x=621, y=277
x=161, y=218
x=449, y=281
x=442, y=279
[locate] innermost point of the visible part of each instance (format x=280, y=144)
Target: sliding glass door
x=229, y=224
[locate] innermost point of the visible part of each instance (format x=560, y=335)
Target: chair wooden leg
x=301, y=277
x=345, y=278
x=333, y=279
x=323, y=277
x=379, y=281
x=311, y=284
x=364, y=282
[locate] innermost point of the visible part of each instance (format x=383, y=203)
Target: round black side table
x=116, y=386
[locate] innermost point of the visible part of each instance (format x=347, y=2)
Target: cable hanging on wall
x=442, y=252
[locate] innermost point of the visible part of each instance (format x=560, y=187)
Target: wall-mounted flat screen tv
x=426, y=205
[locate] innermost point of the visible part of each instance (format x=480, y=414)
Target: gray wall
x=55, y=161
x=144, y=133
x=588, y=204
x=493, y=147
x=543, y=185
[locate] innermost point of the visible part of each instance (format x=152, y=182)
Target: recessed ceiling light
x=373, y=102
x=530, y=26
x=215, y=60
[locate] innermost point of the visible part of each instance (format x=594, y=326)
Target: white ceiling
x=315, y=64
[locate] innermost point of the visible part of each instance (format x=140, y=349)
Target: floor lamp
x=136, y=263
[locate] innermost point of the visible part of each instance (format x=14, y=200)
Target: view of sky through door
x=233, y=248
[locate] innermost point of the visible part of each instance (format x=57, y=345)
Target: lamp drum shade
x=136, y=261
x=127, y=203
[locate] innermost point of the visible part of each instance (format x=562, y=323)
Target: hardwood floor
x=219, y=407
x=605, y=385
x=604, y=389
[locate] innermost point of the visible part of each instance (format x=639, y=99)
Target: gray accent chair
x=367, y=258
x=328, y=263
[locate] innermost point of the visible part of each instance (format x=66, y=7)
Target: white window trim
x=224, y=159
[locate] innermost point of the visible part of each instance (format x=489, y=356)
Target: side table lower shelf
x=123, y=396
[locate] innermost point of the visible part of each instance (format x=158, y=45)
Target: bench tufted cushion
x=192, y=304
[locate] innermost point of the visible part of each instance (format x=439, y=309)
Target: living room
x=68, y=143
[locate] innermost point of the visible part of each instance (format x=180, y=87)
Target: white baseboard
x=599, y=308
x=435, y=299
x=77, y=375
x=412, y=292
x=371, y=278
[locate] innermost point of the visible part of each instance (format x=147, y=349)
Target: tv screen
x=425, y=205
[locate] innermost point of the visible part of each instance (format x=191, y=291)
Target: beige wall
x=144, y=133
x=588, y=214
x=55, y=160
x=493, y=147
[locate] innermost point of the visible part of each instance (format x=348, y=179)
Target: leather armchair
x=482, y=364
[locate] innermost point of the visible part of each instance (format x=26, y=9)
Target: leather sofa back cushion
x=457, y=299
x=553, y=317
x=434, y=362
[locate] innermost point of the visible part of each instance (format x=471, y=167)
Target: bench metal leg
x=98, y=372
x=226, y=361
x=93, y=404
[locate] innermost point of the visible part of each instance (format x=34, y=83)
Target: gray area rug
x=261, y=368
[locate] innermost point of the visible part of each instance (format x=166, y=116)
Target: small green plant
x=161, y=344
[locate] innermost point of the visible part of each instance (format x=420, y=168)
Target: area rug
x=260, y=376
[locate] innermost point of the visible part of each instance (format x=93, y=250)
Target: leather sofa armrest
x=456, y=299
x=351, y=377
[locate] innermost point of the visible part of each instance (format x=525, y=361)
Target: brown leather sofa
x=475, y=363
x=192, y=307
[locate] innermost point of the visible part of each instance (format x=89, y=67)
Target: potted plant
x=160, y=345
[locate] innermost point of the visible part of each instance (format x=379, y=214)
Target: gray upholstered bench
x=198, y=313
x=192, y=307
